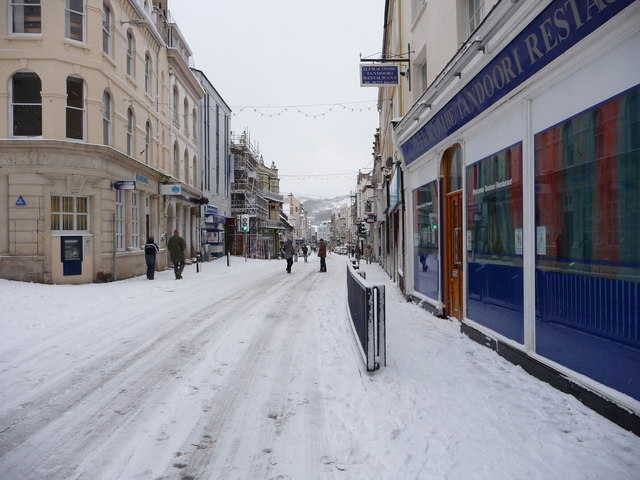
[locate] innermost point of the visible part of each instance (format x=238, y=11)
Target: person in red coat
x=322, y=254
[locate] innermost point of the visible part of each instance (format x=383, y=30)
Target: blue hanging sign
x=20, y=201
x=379, y=75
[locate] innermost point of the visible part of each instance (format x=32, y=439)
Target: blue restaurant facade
x=522, y=190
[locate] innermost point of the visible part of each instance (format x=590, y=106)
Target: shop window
x=587, y=192
x=426, y=233
x=69, y=213
x=119, y=220
x=75, y=108
x=26, y=16
x=26, y=104
x=135, y=220
x=74, y=20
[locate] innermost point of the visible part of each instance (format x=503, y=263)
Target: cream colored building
x=100, y=119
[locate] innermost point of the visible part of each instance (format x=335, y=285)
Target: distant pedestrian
x=288, y=254
x=150, y=250
x=305, y=252
x=368, y=253
x=322, y=254
x=176, y=247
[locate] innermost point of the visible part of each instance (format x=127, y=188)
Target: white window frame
x=131, y=54
x=71, y=212
x=476, y=13
x=130, y=132
x=119, y=220
x=76, y=109
x=135, y=220
x=68, y=13
x=106, y=118
x=148, y=73
x=17, y=8
x=107, y=29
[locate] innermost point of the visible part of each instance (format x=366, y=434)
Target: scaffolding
x=252, y=195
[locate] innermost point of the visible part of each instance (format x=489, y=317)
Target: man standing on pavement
x=288, y=254
x=322, y=254
x=176, y=247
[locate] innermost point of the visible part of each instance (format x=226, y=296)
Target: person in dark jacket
x=176, y=247
x=322, y=254
x=288, y=254
x=150, y=250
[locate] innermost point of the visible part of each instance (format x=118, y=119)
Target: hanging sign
x=124, y=185
x=379, y=75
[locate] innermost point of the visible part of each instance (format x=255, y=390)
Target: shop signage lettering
x=492, y=187
x=558, y=28
x=379, y=75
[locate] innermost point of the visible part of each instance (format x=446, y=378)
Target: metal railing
x=366, y=307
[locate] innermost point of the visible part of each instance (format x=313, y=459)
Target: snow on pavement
x=245, y=372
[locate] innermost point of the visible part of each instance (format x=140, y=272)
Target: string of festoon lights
x=264, y=110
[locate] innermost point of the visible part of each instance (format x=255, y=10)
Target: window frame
x=75, y=110
x=71, y=14
x=135, y=220
x=107, y=136
x=74, y=214
x=119, y=220
x=130, y=131
x=17, y=105
x=131, y=54
x=20, y=5
x=107, y=29
x=148, y=74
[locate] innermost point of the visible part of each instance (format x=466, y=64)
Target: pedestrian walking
x=150, y=250
x=288, y=254
x=176, y=247
x=368, y=253
x=305, y=252
x=322, y=254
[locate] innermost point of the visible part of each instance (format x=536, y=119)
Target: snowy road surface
x=245, y=372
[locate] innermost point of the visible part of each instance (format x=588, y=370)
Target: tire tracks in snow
x=102, y=407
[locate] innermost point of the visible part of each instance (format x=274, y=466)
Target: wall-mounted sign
x=371, y=218
x=379, y=75
x=142, y=179
x=125, y=185
x=20, y=201
x=168, y=189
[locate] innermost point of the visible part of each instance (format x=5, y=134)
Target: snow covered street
x=246, y=372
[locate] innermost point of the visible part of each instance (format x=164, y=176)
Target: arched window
x=74, y=20
x=175, y=105
x=26, y=104
x=186, y=115
x=176, y=161
x=185, y=162
x=75, y=108
x=130, y=132
x=131, y=54
x=106, y=118
x=107, y=23
x=147, y=73
x=195, y=123
x=147, y=143
x=194, y=168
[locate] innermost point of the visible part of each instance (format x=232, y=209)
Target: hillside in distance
x=319, y=209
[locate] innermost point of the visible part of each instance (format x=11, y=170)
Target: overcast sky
x=263, y=56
